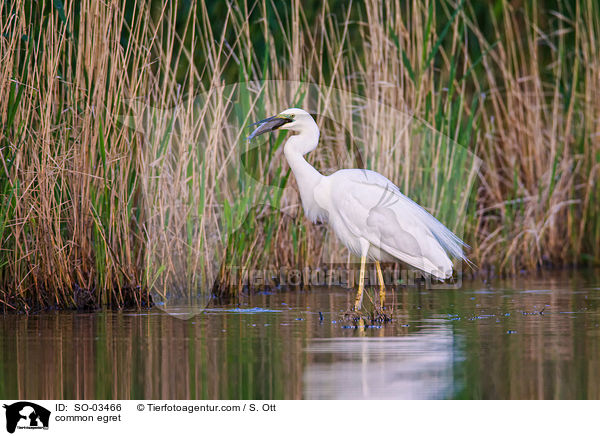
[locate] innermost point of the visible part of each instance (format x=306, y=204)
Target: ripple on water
x=240, y=310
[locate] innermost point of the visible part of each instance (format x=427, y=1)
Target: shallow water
x=523, y=338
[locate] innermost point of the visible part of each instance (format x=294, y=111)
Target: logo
x=26, y=415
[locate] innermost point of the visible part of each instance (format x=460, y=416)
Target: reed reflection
x=519, y=339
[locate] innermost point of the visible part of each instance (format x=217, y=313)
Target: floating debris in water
x=475, y=318
x=537, y=291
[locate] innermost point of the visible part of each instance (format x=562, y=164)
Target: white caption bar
x=293, y=417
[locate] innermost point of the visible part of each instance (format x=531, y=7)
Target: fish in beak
x=268, y=125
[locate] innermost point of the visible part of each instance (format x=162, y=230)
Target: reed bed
x=124, y=172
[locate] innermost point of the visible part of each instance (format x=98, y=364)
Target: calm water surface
x=523, y=338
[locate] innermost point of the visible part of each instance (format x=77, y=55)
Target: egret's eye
x=288, y=117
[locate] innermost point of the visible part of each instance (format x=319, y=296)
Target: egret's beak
x=268, y=125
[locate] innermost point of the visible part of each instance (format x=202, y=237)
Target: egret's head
x=290, y=119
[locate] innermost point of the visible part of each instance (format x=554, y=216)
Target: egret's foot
x=381, y=300
x=358, y=300
x=361, y=284
x=367, y=317
x=381, y=316
x=381, y=287
x=351, y=316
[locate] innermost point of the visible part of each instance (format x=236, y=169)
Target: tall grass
x=124, y=166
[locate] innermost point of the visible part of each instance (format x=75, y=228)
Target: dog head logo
x=26, y=415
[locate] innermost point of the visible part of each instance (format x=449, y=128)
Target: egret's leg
x=381, y=285
x=361, y=284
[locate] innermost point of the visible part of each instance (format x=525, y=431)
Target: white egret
x=367, y=212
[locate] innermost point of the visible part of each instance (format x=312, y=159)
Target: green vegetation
x=107, y=191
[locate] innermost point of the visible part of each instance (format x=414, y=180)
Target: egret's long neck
x=307, y=177
x=303, y=171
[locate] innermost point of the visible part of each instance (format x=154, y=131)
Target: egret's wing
x=451, y=243
x=373, y=208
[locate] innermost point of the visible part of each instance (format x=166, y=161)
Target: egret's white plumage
x=367, y=212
